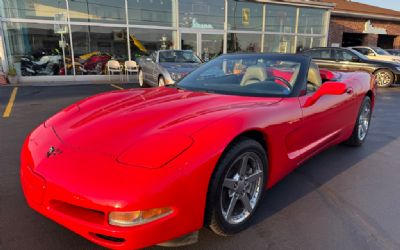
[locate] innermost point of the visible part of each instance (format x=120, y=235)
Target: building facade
x=55, y=40
x=355, y=24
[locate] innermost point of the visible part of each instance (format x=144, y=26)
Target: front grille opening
x=82, y=213
x=110, y=238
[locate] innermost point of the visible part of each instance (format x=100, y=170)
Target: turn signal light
x=134, y=218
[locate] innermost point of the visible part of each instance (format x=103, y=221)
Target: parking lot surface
x=344, y=198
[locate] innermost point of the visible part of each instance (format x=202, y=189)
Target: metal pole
x=70, y=39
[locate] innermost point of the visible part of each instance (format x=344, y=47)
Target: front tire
x=236, y=187
x=384, y=78
x=361, y=128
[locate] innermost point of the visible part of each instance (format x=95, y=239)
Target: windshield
x=178, y=56
x=251, y=75
x=381, y=52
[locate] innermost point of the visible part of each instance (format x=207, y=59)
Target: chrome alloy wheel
x=383, y=78
x=364, y=120
x=241, y=188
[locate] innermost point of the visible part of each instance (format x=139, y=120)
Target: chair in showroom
x=130, y=67
x=113, y=67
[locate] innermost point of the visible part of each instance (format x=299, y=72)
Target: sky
x=388, y=4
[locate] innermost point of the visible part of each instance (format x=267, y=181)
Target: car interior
x=314, y=80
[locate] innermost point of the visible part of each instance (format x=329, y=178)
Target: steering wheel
x=283, y=80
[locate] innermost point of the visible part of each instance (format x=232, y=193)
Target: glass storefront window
x=100, y=11
x=212, y=46
x=307, y=42
x=245, y=15
x=280, y=18
x=202, y=14
x=156, y=12
x=311, y=21
x=279, y=43
x=143, y=42
x=94, y=46
x=238, y=42
x=37, y=9
x=35, y=49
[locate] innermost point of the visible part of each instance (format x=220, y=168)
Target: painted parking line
x=116, y=86
x=7, y=111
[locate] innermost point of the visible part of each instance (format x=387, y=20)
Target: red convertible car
x=134, y=168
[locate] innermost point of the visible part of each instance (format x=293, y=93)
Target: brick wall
x=338, y=25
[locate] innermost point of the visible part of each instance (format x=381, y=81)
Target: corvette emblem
x=53, y=151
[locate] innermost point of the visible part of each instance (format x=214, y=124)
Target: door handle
x=349, y=91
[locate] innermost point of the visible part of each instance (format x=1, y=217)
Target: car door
x=325, y=121
x=352, y=62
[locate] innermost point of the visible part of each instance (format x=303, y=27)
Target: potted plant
x=12, y=75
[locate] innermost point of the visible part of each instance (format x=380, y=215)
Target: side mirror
x=371, y=54
x=328, y=88
x=355, y=59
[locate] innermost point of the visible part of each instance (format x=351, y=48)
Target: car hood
x=180, y=67
x=110, y=123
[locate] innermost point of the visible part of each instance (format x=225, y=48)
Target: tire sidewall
x=215, y=189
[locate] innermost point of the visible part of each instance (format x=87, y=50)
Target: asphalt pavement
x=344, y=198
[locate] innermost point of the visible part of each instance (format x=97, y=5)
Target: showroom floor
x=344, y=198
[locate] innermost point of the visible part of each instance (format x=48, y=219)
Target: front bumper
x=82, y=201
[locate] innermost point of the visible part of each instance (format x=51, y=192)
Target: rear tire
x=361, y=128
x=384, y=78
x=236, y=187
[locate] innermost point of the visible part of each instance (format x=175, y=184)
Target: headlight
x=398, y=68
x=176, y=76
x=134, y=218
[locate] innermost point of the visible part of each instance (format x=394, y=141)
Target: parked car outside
x=165, y=67
x=346, y=59
x=376, y=53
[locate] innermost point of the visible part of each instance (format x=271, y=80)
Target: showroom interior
x=77, y=33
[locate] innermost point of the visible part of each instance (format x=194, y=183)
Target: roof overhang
x=305, y=3
x=344, y=13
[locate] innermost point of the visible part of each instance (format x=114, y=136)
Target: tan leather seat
x=254, y=74
x=314, y=77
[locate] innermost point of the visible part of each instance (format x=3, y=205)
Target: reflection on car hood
x=110, y=122
x=180, y=67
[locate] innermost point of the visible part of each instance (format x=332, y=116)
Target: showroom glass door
x=206, y=45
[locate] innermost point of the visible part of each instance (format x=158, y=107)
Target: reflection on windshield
x=173, y=56
x=381, y=52
x=245, y=75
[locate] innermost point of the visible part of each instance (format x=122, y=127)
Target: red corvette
x=134, y=168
